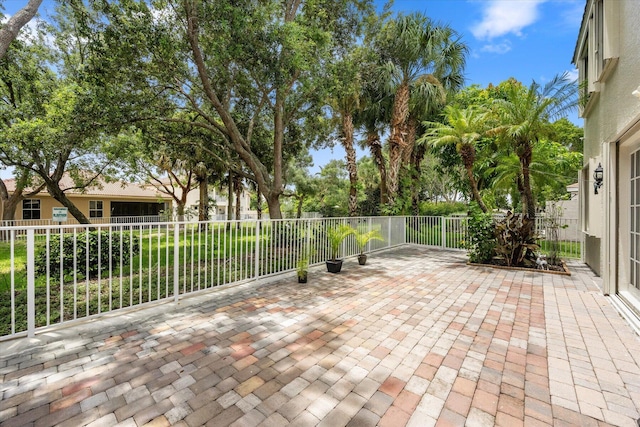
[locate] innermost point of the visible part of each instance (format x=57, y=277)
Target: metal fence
x=50, y=275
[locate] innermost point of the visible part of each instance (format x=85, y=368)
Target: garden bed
x=562, y=270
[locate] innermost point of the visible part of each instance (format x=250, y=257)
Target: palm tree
x=345, y=95
x=465, y=128
x=525, y=116
x=372, y=118
x=411, y=47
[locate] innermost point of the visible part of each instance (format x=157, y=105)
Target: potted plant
x=362, y=238
x=303, y=268
x=336, y=236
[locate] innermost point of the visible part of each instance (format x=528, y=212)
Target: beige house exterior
x=607, y=55
x=101, y=203
x=219, y=203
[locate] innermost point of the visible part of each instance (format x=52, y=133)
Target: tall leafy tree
x=412, y=46
x=345, y=99
x=525, y=116
x=25, y=84
x=463, y=129
x=240, y=67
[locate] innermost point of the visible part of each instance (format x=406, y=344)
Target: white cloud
x=499, y=48
x=573, y=74
x=501, y=17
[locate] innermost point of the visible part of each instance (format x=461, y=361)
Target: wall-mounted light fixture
x=598, y=176
x=636, y=92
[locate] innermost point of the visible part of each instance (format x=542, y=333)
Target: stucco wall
x=613, y=113
x=592, y=254
x=616, y=106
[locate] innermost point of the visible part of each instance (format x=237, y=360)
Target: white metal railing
x=55, y=274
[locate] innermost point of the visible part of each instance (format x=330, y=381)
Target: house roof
x=103, y=188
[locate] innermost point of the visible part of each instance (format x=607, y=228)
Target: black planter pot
x=302, y=278
x=334, y=266
x=362, y=259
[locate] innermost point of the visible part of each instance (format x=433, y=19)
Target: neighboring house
x=570, y=208
x=100, y=203
x=219, y=203
x=607, y=55
x=570, y=214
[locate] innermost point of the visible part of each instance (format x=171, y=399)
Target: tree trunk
x=11, y=201
x=273, y=203
x=347, y=142
x=11, y=28
x=468, y=154
x=529, y=206
x=410, y=140
x=237, y=185
x=230, y=197
x=9, y=207
x=55, y=191
x=259, y=204
x=397, y=138
x=373, y=141
x=203, y=204
x=416, y=158
x=299, y=210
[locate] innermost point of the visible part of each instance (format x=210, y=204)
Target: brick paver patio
x=416, y=338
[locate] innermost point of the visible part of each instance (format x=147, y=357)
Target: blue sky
x=525, y=39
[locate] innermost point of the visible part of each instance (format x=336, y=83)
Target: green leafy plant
x=553, y=226
x=95, y=245
x=364, y=236
x=516, y=240
x=303, y=266
x=482, y=241
x=336, y=236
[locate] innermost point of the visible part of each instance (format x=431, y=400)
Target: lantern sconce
x=598, y=176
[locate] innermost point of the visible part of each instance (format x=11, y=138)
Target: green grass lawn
x=207, y=259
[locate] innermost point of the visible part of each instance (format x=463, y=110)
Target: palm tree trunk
x=397, y=139
x=347, y=142
x=416, y=159
x=529, y=206
x=373, y=141
x=468, y=154
x=410, y=140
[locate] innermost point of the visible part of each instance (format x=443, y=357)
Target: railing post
x=31, y=284
x=443, y=232
x=256, y=256
x=176, y=261
x=404, y=229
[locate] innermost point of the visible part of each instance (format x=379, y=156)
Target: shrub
x=482, y=240
x=516, y=240
x=442, y=208
x=108, y=250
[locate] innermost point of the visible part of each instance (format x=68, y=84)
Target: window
x=634, y=217
x=31, y=209
x=597, y=50
x=95, y=209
